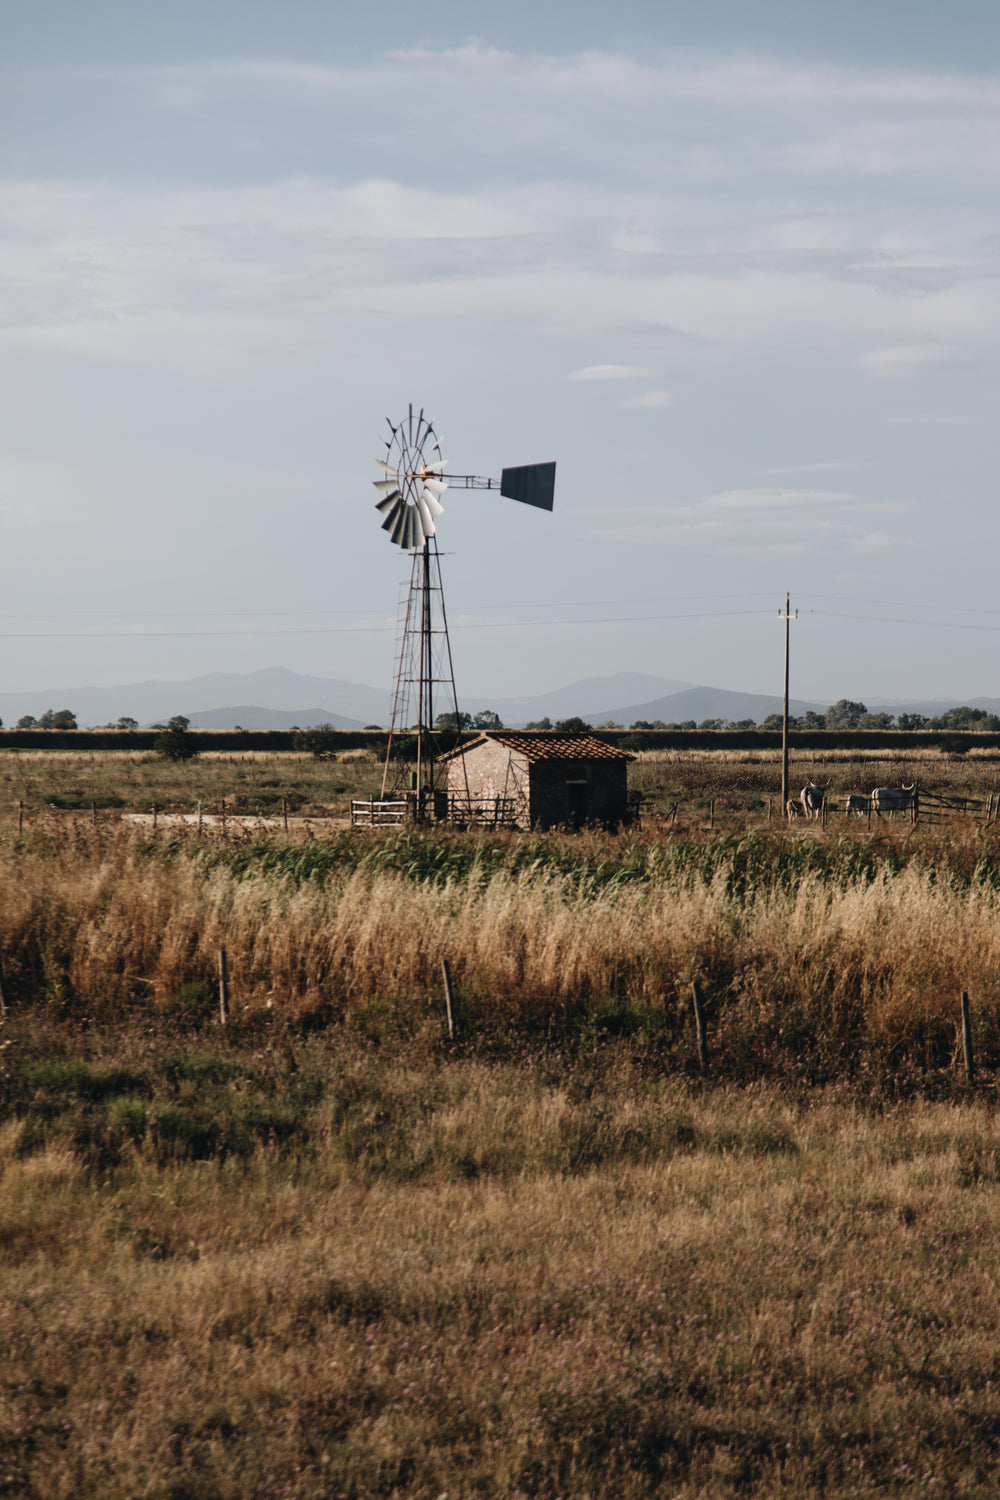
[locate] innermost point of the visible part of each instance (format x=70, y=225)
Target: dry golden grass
x=872, y=937
x=352, y=1259
x=537, y=1278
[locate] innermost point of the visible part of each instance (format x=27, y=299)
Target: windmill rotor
x=413, y=482
x=411, y=490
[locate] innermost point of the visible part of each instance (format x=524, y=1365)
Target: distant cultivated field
x=739, y=781
x=326, y=1251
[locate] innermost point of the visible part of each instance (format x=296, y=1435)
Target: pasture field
x=324, y=1251
x=124, y=781
x=254, y=783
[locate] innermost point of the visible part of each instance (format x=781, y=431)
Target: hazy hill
x=577, y=698
x=277, y=698
x=250, y=716
x=931, y=707
x=703, y=703
x=351, y=704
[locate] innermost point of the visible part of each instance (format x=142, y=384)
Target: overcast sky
x=733, y=265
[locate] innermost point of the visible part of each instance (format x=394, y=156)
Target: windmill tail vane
x=413, y=482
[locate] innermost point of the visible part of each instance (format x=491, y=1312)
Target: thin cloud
x=878, y=541
x=901, y=360
x=688, y=77
x=816, y=468
x=612, y=372
x=648, y=401
x=774, y=499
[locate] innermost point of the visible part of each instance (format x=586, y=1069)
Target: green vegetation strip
x=748, y=863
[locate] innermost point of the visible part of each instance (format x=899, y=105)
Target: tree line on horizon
x=846, y=713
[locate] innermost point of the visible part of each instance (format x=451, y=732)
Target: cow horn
x=910, y=787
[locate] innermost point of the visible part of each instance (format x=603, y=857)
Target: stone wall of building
x=537, y=793
x=577, y=792
x=497, y=779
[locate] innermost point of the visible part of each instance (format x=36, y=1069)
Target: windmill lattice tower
x=411, y=488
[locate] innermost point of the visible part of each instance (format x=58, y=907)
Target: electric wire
x=898, y=620
x=249, y=630
x=165, y=635
x=242, y=614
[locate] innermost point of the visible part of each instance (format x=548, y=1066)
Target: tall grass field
x=327, y=1250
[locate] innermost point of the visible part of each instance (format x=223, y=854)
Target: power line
x=167, y=635
x=532, y=624
x=264, y=614
x=896, y=620
x=961, y=609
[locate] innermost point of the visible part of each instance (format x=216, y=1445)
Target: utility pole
x=787, y=617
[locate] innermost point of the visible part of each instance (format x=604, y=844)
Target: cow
x=891, y=799
x=855, y=803
x=792, y=808
x=812, y=799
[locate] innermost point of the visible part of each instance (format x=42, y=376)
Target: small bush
x=176, y=744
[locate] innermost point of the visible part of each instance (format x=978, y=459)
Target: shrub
x=320, y=741
x=176, y=744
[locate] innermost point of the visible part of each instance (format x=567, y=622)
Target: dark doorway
x=576, y=795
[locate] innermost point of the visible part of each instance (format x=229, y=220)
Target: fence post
x=223, y=988
x=446, y=973
x=3, y=993
x=711, y=813
x=155, y=810
x=769, y=809
x=284, y=812
x=199, y=815
x=967, y=1037
x=699, y=1025
x=223, y=802
x=20, y=817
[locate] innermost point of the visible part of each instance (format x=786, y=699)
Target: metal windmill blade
x=413, y=484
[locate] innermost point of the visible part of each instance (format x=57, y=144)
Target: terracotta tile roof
x=546, y=744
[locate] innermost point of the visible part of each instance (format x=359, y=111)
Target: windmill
x=411, y=488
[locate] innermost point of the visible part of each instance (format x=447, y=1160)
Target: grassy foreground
x=306, y=1266
x=820, y=955
x=325, y=1252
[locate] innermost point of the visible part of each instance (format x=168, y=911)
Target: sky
x=733, y=264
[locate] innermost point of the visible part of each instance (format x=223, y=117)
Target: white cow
x=892, y=799
x=812, y=799
x=857, y=805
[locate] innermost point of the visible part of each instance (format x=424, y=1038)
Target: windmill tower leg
x=425, y=674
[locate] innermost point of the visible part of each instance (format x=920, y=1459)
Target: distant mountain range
x=700, y=703
x=276, y=698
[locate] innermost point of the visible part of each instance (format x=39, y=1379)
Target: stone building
x=537, y=779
